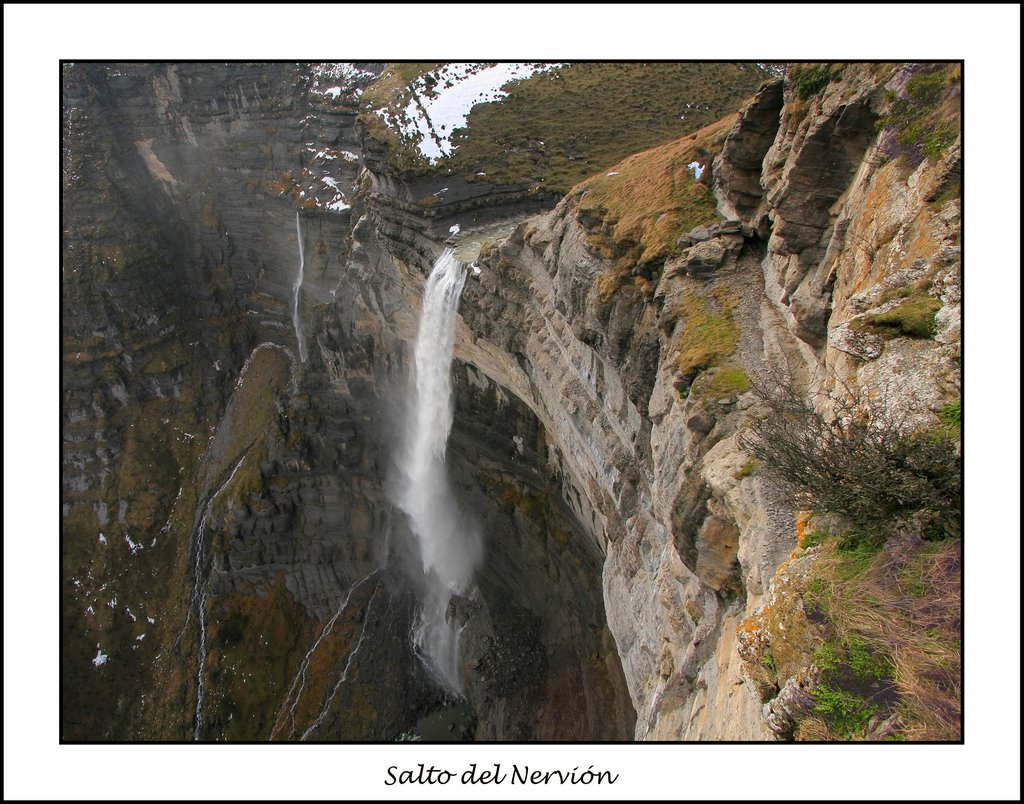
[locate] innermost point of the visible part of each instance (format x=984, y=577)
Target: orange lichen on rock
x=804, y=527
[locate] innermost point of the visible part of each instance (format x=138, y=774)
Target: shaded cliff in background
x=225, y=522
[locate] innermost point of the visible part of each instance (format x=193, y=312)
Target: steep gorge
x=626, y=539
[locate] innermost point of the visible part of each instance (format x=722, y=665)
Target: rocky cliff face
x=230, y=552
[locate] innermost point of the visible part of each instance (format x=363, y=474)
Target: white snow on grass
x=697, y=168
x=333, y=79
x=140, y=637
x=101, y=657
x=330, y=155
x=150, y=620
x=442, y=105
x=613, y=173
x=103, y=539
x=454, y=229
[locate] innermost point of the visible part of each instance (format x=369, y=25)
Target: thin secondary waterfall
x=299, y=682
x=449, y=544
x=344, y=673
x=295, y=293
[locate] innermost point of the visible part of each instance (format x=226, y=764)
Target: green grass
x=912, y=318
x=749, y=467
x=726, y=381
x=894, y=648
x=709, y=333
x=846, y=714
x=951, y=416
x=810, y=79
x=557, y=128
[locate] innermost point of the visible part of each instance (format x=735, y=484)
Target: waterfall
x=344, y=673
x=449, y=544
x=299, y=682
x=299, y=337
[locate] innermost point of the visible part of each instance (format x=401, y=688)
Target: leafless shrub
x=862, y=459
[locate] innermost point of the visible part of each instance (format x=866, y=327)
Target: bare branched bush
x=863, y=460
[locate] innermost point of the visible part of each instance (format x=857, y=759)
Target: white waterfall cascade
x=344, y=673
x=299, y=337
x=450, y=545
x=299, y=682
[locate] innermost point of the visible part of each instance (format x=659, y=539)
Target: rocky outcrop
x=691, y=537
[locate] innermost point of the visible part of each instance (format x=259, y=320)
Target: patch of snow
x=101, y=657
x=150, y=620
x=613, y=173
x=697, y=168
x=132, y=545
x=103, y=539
x=441, y=105
x=454, y=229
x=112, y=603
x=338, y=204
x=140, y=637
x=134, y=618
x=90, y=610
x=216, y=365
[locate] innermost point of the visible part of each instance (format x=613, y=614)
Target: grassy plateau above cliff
x=553, y=128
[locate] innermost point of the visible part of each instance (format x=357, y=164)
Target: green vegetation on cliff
x=924, y=117
x=709, y=336
x=891, y=668
x=640, y=207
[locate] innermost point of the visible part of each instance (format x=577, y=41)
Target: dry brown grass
x=903, y=604
x=814, y=730
x=654, y=198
